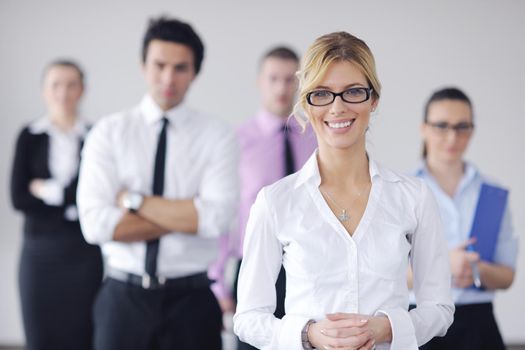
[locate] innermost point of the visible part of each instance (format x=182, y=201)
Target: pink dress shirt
x=262, y=162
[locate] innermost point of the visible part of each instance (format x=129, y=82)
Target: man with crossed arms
x=158, y=184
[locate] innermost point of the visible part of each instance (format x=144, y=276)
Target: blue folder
x=487, y=220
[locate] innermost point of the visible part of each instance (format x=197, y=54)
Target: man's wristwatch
x=304, y=336
x=132, y=201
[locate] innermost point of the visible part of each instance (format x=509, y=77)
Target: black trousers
x=59, y=277
x=280, y=290
x=128, y=317
x=474, y=328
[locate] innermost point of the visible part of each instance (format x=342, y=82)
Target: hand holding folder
x=463, y=264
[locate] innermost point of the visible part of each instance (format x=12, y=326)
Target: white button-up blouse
x=327, y=270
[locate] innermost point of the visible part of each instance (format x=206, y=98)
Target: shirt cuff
x=289, y=336
x=208, y=219
x=220, y=291
x=403, y=332
x=52, y=192
x=98, y=225
x=71, y=213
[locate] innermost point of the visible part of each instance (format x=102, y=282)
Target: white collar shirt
x=201, y=163
x=327, y=270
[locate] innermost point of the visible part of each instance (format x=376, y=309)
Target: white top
x=201, y=163
x=63, y=159
x=327, y=270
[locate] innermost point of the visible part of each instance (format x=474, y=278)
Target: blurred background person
x=273, y=145
x=446, y=130
x=158, y=185
x=59, y=273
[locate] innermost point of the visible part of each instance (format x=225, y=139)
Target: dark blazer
x=31, y=161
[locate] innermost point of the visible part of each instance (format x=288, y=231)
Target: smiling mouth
x=339, y=125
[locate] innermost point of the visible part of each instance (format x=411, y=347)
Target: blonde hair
x=329, y=48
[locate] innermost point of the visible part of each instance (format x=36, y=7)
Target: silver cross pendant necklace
x=343, y=217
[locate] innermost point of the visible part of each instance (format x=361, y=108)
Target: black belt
x=196, y=281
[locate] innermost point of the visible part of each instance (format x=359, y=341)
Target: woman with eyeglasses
x=59, y=273
x=343, y=227
x=447, y=130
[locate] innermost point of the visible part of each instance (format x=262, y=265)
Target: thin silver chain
x=343, y=217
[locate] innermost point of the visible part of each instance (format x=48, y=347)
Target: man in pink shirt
x=273, y=145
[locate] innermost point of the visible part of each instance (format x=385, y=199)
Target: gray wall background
x=418, y=45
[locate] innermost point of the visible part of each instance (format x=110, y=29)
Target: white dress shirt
x=201, y=163
x=327, y=270
x=63, y=159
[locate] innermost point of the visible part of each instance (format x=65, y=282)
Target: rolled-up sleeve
x=254, y=321
x=218, y=196
x=98, y=187
x=431, y=270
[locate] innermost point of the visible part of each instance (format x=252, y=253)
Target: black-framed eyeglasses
x=321, y=98
x=463, y=128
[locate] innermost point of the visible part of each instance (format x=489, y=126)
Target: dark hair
x=281, y=52
x=448, y=93
x=64, y=63
x=175, y=31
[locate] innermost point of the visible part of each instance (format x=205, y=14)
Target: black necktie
x=152, y=246
x=289, y=166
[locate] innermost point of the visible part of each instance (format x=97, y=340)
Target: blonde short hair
x=329, y=48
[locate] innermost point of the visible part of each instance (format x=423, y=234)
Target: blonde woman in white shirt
x=345, y=229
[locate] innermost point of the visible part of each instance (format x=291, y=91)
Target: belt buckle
x=146, y=281
x=161, y=280
x=152, y=283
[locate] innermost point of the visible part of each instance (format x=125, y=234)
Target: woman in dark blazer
x=59, y=272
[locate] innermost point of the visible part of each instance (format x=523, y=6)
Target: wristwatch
x=132, y=201
x=304, y=336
